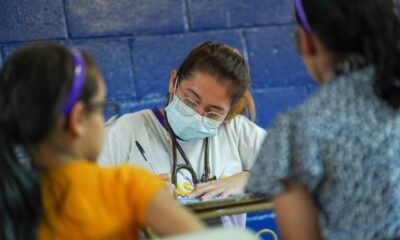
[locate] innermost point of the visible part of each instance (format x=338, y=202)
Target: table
x=209, y=209
x=213, y=208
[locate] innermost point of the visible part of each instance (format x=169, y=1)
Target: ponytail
x=244, y=105
x=20, y=201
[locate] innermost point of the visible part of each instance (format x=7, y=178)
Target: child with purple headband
x=51, y=131
x=331, y=165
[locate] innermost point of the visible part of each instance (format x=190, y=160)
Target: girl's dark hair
x=367, y=28
x=227, y=66
x=34, y=83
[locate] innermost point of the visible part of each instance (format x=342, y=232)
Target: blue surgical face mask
x=189, y=128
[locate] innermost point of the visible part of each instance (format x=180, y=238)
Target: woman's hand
x=224, y=187
x=166, y=177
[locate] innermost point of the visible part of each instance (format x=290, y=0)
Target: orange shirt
x=84, y=201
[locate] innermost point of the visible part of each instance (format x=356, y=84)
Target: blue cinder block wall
x=138, y=42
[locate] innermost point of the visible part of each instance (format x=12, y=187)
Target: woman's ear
x=172, y=80
x=76, y=120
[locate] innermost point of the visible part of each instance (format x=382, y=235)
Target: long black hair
x=34, y=83
x=367, y=28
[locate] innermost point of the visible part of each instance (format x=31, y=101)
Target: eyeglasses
x=111, y=110
x=188, y=107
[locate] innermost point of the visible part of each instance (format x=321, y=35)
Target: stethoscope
x=187, y=165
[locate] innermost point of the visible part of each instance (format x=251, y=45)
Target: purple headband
x=77, y=82
x=302, y=15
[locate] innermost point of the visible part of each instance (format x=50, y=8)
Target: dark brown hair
x=228, y=66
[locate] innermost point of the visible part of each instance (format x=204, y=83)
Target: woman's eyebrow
x=194, y=93
x=217, y=107
x=199, y=98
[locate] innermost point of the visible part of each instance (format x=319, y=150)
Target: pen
x=141, y=150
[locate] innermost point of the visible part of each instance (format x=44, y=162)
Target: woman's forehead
x=208, y=89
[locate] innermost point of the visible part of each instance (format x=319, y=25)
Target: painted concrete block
x=24, y=20
x=273, y=58
x=211, y=14
x=271, y=102
x=123, y=17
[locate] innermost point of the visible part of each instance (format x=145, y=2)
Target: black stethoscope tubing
x=187, y=165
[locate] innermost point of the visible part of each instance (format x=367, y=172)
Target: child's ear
x=307, y=42
x=76, y=120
